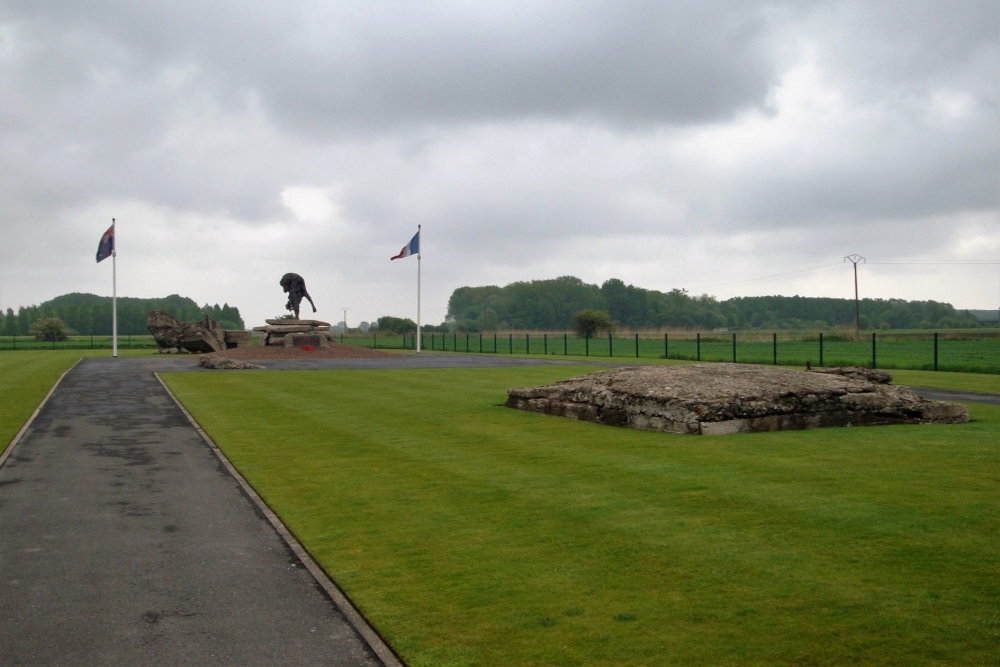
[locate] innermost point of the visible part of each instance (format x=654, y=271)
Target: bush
x=398, y=325
x=588, y=322
x=49, y=329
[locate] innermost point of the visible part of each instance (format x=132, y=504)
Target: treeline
x=551, y=304
x=87, y=314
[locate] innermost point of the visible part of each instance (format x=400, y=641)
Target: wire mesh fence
x=965, y=351
x=946, y=351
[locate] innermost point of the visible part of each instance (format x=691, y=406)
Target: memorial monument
x=294, y=332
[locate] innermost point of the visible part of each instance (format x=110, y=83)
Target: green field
x=125, y=342
x=470, y=534
x=977, y=352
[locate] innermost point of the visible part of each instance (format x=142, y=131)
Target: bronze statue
x=295, y=286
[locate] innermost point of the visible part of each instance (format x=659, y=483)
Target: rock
x=287, y=328
x=172, y=334
x=309, y=323
x=295, y=333
x=224, y=363
x=858, y=373
x=237, y=338
x=716, y=399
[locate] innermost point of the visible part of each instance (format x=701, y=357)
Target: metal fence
x=946, y=351
x=966, y=351
x=125, y=341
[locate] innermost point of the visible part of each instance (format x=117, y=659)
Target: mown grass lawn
x=471, y=534
x=26, y=377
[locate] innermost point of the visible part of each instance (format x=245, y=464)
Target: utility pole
x=345, y=318
x=854, y=259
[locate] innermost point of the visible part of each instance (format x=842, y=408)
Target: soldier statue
x=295, y=286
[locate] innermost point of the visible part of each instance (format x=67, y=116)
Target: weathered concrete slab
x=717, y=399
x=198, y=337
x=291, y=322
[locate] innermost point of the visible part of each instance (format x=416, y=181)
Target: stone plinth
x=295, y=333
x=237, y=338
x=716, y=399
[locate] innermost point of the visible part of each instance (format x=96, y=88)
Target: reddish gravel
x=335, y=351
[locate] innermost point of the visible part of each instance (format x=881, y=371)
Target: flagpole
x=419, y=335
x=114, y=292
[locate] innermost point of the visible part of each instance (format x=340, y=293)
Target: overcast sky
x=729, y=148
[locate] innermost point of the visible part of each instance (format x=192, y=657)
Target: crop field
x=977, y=352
x=471, y=534
x=125, y=342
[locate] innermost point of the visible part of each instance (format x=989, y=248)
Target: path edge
x=375, y=642
x=24, y=429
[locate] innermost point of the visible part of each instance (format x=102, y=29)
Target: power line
x=764, y=279
x=940, y=261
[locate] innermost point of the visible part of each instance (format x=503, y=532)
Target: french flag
x=411, y=248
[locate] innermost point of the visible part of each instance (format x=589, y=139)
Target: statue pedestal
x=295, y=333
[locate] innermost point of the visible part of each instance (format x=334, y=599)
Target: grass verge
x=471, y=534
x=26, y=377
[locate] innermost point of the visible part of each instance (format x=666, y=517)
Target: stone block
x=299, y=339
x=718, y=399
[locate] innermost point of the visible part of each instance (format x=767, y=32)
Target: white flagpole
x=419, y=335
x=114, y=291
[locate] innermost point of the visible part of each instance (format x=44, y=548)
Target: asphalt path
x=125, y=540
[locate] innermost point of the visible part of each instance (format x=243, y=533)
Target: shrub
x=589, y=322
x=49, y=329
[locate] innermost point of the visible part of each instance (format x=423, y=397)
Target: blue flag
x=107, y=245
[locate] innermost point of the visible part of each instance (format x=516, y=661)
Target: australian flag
x=107, y=245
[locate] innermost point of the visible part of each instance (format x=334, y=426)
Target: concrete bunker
x=717, y=399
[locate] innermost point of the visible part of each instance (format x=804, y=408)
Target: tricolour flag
x=107, y=245
x=411, y=248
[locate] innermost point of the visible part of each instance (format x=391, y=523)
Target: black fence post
x=873, y=350
x=935, y=350
x=821, y=349
x=454, y=341
x=734, y=348
x=666, y=346
x=494, y=343
x=586, y=343
x=565, y=344
x=611, y=346
x=774, y=347
x=545, y=344
x=697, y=339
x=510, y=342
x=91, y=341
x=637, y=346
x=480, y=342
x=527, y=344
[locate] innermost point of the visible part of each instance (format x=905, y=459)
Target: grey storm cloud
x=527, y=128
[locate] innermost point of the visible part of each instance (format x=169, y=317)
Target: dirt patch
x=335, y=351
